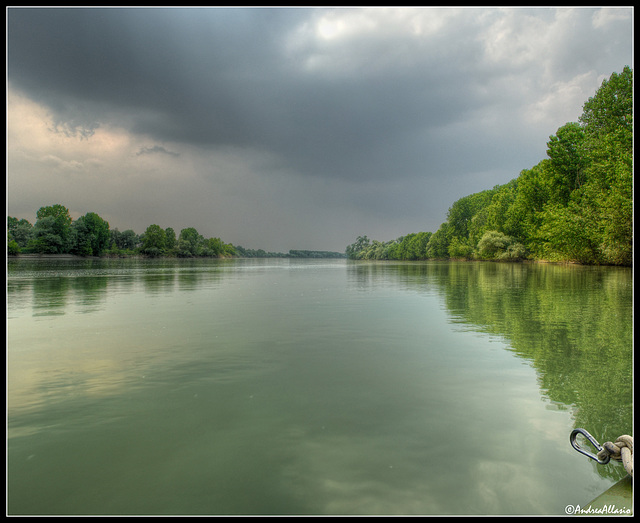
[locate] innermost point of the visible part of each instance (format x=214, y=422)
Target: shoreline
x=39, y=256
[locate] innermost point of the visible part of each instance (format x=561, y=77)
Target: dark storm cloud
x=220, y=77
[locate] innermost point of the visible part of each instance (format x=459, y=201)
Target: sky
x=291, y=128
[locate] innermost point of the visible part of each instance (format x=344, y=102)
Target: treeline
x=576, y=205
x=410, y=247
x=56, y=233
x=260, y=253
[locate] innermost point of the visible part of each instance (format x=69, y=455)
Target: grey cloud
x=221, y=77
x=154, y=150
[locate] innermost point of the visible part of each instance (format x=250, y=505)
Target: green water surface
x=312, y=387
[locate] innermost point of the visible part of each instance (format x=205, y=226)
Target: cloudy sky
x=291, y=128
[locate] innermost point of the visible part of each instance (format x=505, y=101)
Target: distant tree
x=354, y=250
x=190, y=243
x=171, y=238
x=20, y=231
x=438, y=245
x=12, y=248
x=80, y=238
x=154, y=241
x=57, y=211
x=47, y=237
x=92, y=235
x=125, y=240
x=215, y=247
x=462, y=212
x=52, y=231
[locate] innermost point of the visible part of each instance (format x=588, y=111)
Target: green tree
x=568, y=160
x=498, y=246
x=523, y=217
x=154, y=241
x=460, y=221
x=438, y=245
x=47, y=237
x=52, y=231
x=12, y=248
x=213, y=247
x=460, y=248
x=494, y=216
x=355, y=250
x=92, y=235
x=80, y=238
x=567, y=234
x=57, y=211
x=126, y=240
x=410, y=247
x=20, y=231
x=190, y=243
x=171, y=238
x=616, y=217
x=99, y=231
x=607, y=201
x=610, y=111
x=594, y=223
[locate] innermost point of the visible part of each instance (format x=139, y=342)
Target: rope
x=621, y=450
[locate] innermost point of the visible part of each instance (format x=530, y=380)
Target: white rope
x=621, y=450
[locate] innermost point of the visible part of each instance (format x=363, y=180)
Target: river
x=312, y=387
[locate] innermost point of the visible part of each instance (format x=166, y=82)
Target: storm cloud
x=285, y=128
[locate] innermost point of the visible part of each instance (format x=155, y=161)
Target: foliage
x=171, y=240
x=410, y=247
x=190, y=243
x=216, y=248
x=56, y=233
x=124, y=241
x=52, y=231
x=314, y=254
x=499, y=246
x=19, y=231
x=154, y=241
x=92, y=235
x=12, y=248
x=438, y=246
x=576, y=205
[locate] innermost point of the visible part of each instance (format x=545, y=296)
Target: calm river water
x=312, y=387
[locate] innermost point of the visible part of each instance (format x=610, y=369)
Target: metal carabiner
x=592, y=440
